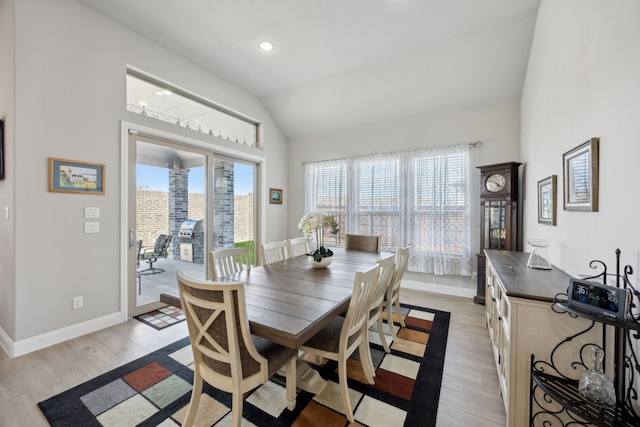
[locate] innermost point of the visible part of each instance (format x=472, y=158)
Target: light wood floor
x=469, y=395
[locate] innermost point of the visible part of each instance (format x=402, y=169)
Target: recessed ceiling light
x=142, y=103
x=266, y=46
x=167, y=92
x=159, y=92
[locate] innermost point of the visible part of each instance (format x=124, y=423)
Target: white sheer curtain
x=418, y=197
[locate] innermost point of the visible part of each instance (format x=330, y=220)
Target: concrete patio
x=155, y=284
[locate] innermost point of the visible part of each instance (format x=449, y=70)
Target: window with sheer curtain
x=419, y=198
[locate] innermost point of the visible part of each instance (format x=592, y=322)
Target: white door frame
x=197, y=143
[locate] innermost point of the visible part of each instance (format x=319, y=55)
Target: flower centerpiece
x=315, y=223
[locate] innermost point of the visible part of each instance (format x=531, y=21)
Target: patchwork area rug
x=155, y=389
x=163, y=317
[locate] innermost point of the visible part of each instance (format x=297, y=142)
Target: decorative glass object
x=539, y=257
x=594, y=385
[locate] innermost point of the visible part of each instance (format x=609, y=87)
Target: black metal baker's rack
x=554, y=398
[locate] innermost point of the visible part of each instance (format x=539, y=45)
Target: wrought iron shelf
x=565, y=392
x=551, y=382
x=625, y=324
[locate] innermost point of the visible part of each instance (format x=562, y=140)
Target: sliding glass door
x=183, y=202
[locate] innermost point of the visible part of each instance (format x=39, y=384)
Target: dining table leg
x=307, y=378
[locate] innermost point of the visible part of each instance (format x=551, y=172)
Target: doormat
x=163, y=317
x=154, y=390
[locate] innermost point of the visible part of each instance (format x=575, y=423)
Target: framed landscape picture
x=71, y=176
x=580, y=167
x=547, y=200
x=275, y=196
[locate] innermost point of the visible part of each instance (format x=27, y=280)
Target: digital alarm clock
x=597, y=298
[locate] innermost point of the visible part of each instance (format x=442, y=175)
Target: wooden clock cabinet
x=499, y=215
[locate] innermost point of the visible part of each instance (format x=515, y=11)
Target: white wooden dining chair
x=362, y=242
x=225, y=353
x=299, y=246
x=376, y=307
x=224, y=262
x=340, y=338
x=273, y=252
x=393, y=290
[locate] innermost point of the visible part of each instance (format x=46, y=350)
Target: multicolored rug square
x=163, y=317
x=155, y=389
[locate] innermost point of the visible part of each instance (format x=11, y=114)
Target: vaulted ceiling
x=344, y=64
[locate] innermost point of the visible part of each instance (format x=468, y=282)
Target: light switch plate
x=91, y=212
x=91, y=227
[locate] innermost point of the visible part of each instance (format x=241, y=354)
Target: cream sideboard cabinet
x=521, y=322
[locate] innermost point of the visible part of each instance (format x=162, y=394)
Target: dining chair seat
x=343, y=335
x=392, y=299
x=224, y=262
x=362, y=242
x=376, y=307
x=273, y=252
x=298, y=246
x=226, y=355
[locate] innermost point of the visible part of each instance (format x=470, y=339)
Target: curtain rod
x=474, y=144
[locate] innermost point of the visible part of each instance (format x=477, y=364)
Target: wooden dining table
x=290, y=301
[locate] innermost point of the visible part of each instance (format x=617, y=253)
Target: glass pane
x=495, y=224
x=169, y=197
x=233, y=205
x=167, y=104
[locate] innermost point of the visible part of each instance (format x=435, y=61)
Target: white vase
x=323, y=263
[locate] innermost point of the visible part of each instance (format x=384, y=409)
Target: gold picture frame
x=275, y=196
x=73, y=176
x=580, y=169
x=547, y=194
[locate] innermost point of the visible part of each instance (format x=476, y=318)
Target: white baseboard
x=19, y=348
x=438, y=289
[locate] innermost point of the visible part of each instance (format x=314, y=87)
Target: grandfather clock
x=499, y=219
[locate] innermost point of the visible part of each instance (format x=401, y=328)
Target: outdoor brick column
x=223, y=205
x=178, y=205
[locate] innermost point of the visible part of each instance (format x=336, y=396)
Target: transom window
x=167, y=103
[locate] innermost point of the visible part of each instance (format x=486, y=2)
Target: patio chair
x=224, y=262
x=362, y=242
x=225, y=353
x=298, y=246
x=393, y=290
x=150, y=254
x=340, y=338
x=273, y=252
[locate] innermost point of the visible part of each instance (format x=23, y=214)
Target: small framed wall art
x=275, y=196
x=547, y=200
x=580, y=167
x=1, y=149
x=72, y=176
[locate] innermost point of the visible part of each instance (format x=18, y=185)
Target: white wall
x=583, y=81
x=498, y=128
x=7, y=114
x=70, y=72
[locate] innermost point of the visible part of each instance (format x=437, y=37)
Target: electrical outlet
x=77, y=302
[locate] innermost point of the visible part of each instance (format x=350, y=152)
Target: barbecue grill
x=189, y=227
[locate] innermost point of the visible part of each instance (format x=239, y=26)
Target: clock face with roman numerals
x=495, y=182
